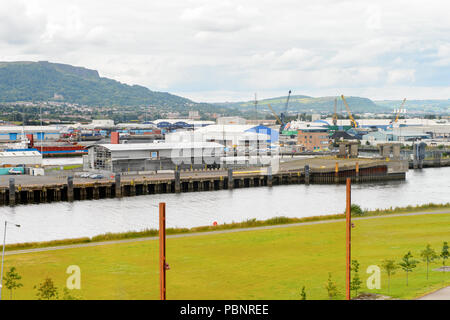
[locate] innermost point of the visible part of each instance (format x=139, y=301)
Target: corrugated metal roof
x=19, y=154
x=189, y=121
x=226, y=128
x=18, y=129
x=160, y=146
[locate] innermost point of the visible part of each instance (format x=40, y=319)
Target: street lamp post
x=3, y=255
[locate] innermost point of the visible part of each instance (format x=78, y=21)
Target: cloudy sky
x=217, y=50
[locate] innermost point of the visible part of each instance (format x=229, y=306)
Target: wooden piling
x=12, y=192
x=230, y=179
x=70, y=188
x=118, y=186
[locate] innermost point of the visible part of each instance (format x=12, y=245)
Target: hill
x=302, y=103
x=45, y=81
x=424, y=106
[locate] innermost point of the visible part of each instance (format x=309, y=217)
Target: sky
x=227, y=50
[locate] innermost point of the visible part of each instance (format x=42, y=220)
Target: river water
x=63, y=220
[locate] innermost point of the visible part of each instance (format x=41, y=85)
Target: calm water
x=88, y=218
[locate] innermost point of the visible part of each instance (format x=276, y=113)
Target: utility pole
x=348, y=239
x=162, y=250
x=256, y=107
x=3, y=255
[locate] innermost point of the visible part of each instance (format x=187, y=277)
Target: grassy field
x=258, y=264
x=251, y=223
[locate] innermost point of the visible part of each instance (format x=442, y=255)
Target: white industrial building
x=21, y=157
x=17, y=133
x=95, y=124
x=230, y=136
x=163, y=123
x=142, y=157
x=231, y=120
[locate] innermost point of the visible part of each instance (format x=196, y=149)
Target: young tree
x=356, y=210
x=12, y=281
x=408, y=264
x=389, y=266
x=356, y=282
x=303, y=293
x=331, y=288
x=47, y=290
x=429, y=255
x=444, y=255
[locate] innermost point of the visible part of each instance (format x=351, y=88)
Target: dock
x=16, y=190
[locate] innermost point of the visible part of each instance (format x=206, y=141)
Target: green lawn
x=259, y=264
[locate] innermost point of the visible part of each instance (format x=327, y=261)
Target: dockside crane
x=276, y=116
x=353, y=121
x=395, y=120
x=256, y=107
x=284, y=113
x=282, y=118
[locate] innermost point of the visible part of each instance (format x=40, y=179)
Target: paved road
x=61, y=179
x=94, y=244
x=25, y=180
x=442, y=294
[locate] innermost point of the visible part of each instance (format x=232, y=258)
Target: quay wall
x=120, y=187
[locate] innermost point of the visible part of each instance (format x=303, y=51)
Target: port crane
x=284, y=114
x=282, y=118
x=398, y=112
x=353, y=121
x=256, y=107
x=276, y=116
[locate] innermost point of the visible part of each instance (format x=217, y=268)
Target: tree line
x=407, y=264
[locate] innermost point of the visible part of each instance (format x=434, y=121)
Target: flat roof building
x=20, y=157
x=153, y=156
x=16, y=133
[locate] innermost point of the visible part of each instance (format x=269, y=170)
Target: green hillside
x=301, y=103
x=437, y=106
x=44, y=81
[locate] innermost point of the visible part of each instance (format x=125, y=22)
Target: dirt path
x=442, y=294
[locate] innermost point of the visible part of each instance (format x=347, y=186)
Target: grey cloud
x=17, y=27
x=232, y=47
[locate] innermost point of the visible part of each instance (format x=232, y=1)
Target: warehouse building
x=40, y=133
x=173, y=124
x=26, y=157
x=397, y=134
x=142, y=157
x=230, y=136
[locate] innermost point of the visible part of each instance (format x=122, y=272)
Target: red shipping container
x=114, y=138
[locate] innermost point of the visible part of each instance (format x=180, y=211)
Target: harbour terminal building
x=150, y=157
x=244, y=138
x=16, y=133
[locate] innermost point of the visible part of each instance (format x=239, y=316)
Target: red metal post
x=348, y=239
x=162, y=250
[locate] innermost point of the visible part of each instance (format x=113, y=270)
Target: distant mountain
x=301, y=103
x=45, y=81
x=435, y=106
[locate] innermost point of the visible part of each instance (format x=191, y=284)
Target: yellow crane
x=353, y=121
x=276, y=116
x=398, y=111
x=278, y=119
